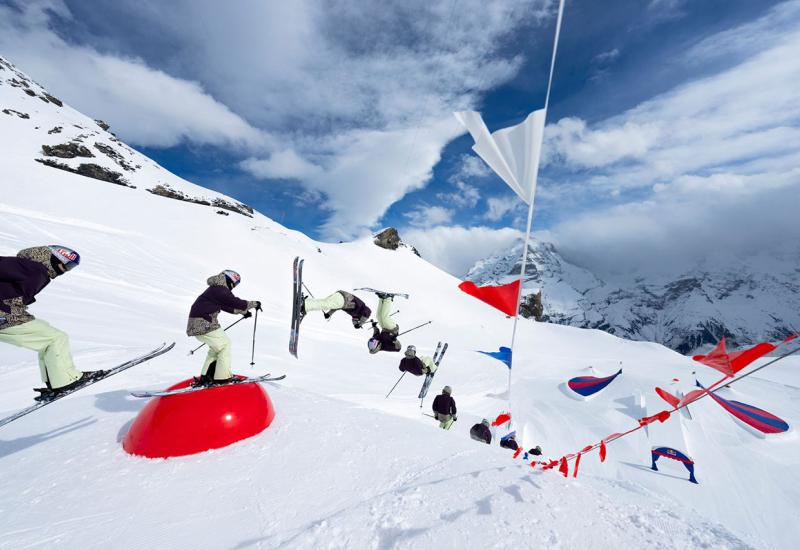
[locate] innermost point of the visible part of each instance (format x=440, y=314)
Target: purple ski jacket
x=217, y=297
x=414, y=365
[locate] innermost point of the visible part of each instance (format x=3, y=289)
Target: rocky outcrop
x=19, y=114
x=389, y=239
x=66, y=151
x=163, y=190
x=93, y=171
x=111, y=153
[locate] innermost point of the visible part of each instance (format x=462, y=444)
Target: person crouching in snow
x=339, y=300
x=204, y=326
x=481, y=432
x=385, y=331
x=22, y=277
x=444, y=408
x=415, y=365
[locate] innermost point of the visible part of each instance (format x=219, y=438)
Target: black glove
x=258, y=306
x=247, y=315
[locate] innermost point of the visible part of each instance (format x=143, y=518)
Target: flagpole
x=530, y=199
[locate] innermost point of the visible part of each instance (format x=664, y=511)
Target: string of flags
x=719, y=359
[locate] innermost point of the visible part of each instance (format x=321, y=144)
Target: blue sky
x=336, y=118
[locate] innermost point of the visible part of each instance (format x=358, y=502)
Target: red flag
x=731, y=363
x=662, y=416
x=516, y=453
x=563, y=468
x=602, y=451
x=577, y=462
x=501, y=419
x=587, y=448
x=717, y=358
x=693, y=396
x=503, y=297
x=668, y=397
x=533, y=464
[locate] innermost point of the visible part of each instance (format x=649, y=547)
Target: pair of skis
x=161, y=350
x=191, y=389
x=437, y=359
x=297, y=303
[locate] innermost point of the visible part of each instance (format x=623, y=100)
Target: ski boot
x=48, y=393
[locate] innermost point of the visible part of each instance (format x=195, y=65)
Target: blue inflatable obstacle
x=674, y=454
x=590, y=385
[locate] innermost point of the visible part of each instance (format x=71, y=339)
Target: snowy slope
x=755, y=299
x=342, y=467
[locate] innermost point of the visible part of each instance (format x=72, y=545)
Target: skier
x=509, y=442
x=481, y=432
x=21, y=279
x=416, y=366
x=339, y=300
x=385, y=331
x=444, y=408
x=204, y=326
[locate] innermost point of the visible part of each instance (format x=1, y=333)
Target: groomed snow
x=343, y=467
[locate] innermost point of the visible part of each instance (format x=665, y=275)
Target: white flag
x=513, y=153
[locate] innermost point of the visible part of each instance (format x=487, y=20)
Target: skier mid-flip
x=416, y=365
x=21, y=279
x=339, y=300
x=204, y=326
x=385, y=331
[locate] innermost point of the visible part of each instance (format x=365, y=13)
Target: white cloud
x=146, y=106
x=455, y=249
x=499, y=207
x=354, y=100
x=712, y=162
x=606, y=57
x=286, y=164
x=470, y=166
x=427, y=216
x=465, y=195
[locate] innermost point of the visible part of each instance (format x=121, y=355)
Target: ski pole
x=395, y=313
x=415, y=328
x=395, y=384
x=307, y=290
x=253, y=353
x=226, y=328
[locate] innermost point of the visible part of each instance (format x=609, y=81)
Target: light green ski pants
x=55, y=361
x=219, y=350
x=384, y=310
x=445, y=421
x=332, y=302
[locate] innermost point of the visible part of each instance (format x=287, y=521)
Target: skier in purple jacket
x=204, y=326
x=22, y=277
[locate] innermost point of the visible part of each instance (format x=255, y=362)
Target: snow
x=342, y=466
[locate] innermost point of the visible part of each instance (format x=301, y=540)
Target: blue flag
x=504, y=355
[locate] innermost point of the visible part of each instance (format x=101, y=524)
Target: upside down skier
x=204, y=326
x=385, y=331
x=339, y=300
x=416, y=365
x=22, y=277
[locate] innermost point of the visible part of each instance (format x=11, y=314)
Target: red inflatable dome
x=189, y=423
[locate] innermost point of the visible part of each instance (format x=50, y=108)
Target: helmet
x=448, y=390
x=63, y=259
x=374, y=345
x=232, y=277
x=411, y=351
x=485, y=422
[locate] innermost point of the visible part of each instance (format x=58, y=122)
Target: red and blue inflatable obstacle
x=758, y=419
x=590, y=385
x=190, y=423
x=674, y=454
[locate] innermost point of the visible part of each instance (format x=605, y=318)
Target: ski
x=164, y=348
x=191, y=389
x=297, y=297
x=382, y=293
x=437, y=359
